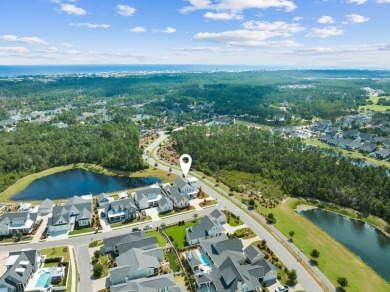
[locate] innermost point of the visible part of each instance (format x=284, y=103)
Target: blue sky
x=290, y=33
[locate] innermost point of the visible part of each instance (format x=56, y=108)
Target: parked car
x=102, y=214
x=281, y=289
x=136, y=229
x=147, y=227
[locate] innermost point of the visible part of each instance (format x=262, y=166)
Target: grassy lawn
x=172, y=261
x=375, y=106
x=244, y=233
x=352, y=154
x=160, y=239
x=81, y=231
x=61, y=251
x=95, y=243
x=308, y=236
x=233, y=221
x=134, y=221
x=178, y=233
x=105, y=261
x=173, y=212
x=208, y=203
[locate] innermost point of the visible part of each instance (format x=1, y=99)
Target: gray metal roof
x=9, y=217
x=144, y=243
x=221, y=247
x=145, y=192
x=201, y=230
x=12, y=277
x=75, y=204
x=46, y=204
x=152, y=284
x=110, y=242
x=123, y=204
x=253, y=252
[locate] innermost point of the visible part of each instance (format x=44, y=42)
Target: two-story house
x=75, y=211
x=121, y=210
x=21, y=266
x=14, y=222
x=147, y=198
x=186, y=187
x=207, y=228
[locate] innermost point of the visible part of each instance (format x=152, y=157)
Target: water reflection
x=362, y=239
x=79, y=182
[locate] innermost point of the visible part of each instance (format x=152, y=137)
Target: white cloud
x=27, y=40
x=284, y=28
x=51, y=50
x=205, y=49
x=72, y=9
x=324, y=32
x=358, y=2
x=14, y=49
x=297, y=18
x=356, y=18
x=125, y=10
x=223, y=16
x=90, y=25
x=246, y=38
x=234, y=5
x=137, y=29
x=346, y=49
x=67, y=45
x=168, y=30
x=326, y=19
x=382, y=1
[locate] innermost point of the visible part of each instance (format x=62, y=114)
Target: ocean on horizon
x=29, y=70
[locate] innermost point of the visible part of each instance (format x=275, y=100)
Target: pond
x=79, y=182
x=361, y=238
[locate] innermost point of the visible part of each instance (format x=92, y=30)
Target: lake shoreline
x=306, y=206
x=24, y=182
x=332, y=228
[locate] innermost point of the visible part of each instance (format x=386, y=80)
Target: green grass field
x=81, y=231
x=178, y=233
x=335, y=260
x=375, y=106
x=172, y=261
x=160, y=239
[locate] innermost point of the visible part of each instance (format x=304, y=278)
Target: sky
x=283, y=33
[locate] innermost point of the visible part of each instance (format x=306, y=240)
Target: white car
x=146, y=227
x=281, y=289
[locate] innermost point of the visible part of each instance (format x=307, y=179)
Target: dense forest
x=263, y=96
x=300, y=171
x=34, y=148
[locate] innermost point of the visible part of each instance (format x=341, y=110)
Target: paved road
x=304, y=278
x=81, y=245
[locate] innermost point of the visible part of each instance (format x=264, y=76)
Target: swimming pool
x=204, y=259
x=43, y=281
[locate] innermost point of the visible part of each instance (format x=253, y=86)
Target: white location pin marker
x=185, y=166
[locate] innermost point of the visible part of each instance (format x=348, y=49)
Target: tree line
x=33, y=148
x=301, y=171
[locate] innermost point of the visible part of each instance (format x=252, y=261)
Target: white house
x=179, y=201
x=147, y=198
x=75, y=211
x=207, y=228
x=14, y=222
x=46, y=207
x=186, y=187
x=164, y=205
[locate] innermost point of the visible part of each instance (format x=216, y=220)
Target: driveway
x=37, y=235
x=59, y=235
x=231, y=229
x=103, y=221
x=152, y=212
x=195, y=203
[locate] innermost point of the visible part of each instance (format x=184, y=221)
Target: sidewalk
x=40, y=230
x=73, y=269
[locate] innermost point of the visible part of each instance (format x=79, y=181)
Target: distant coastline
x=29, y=70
